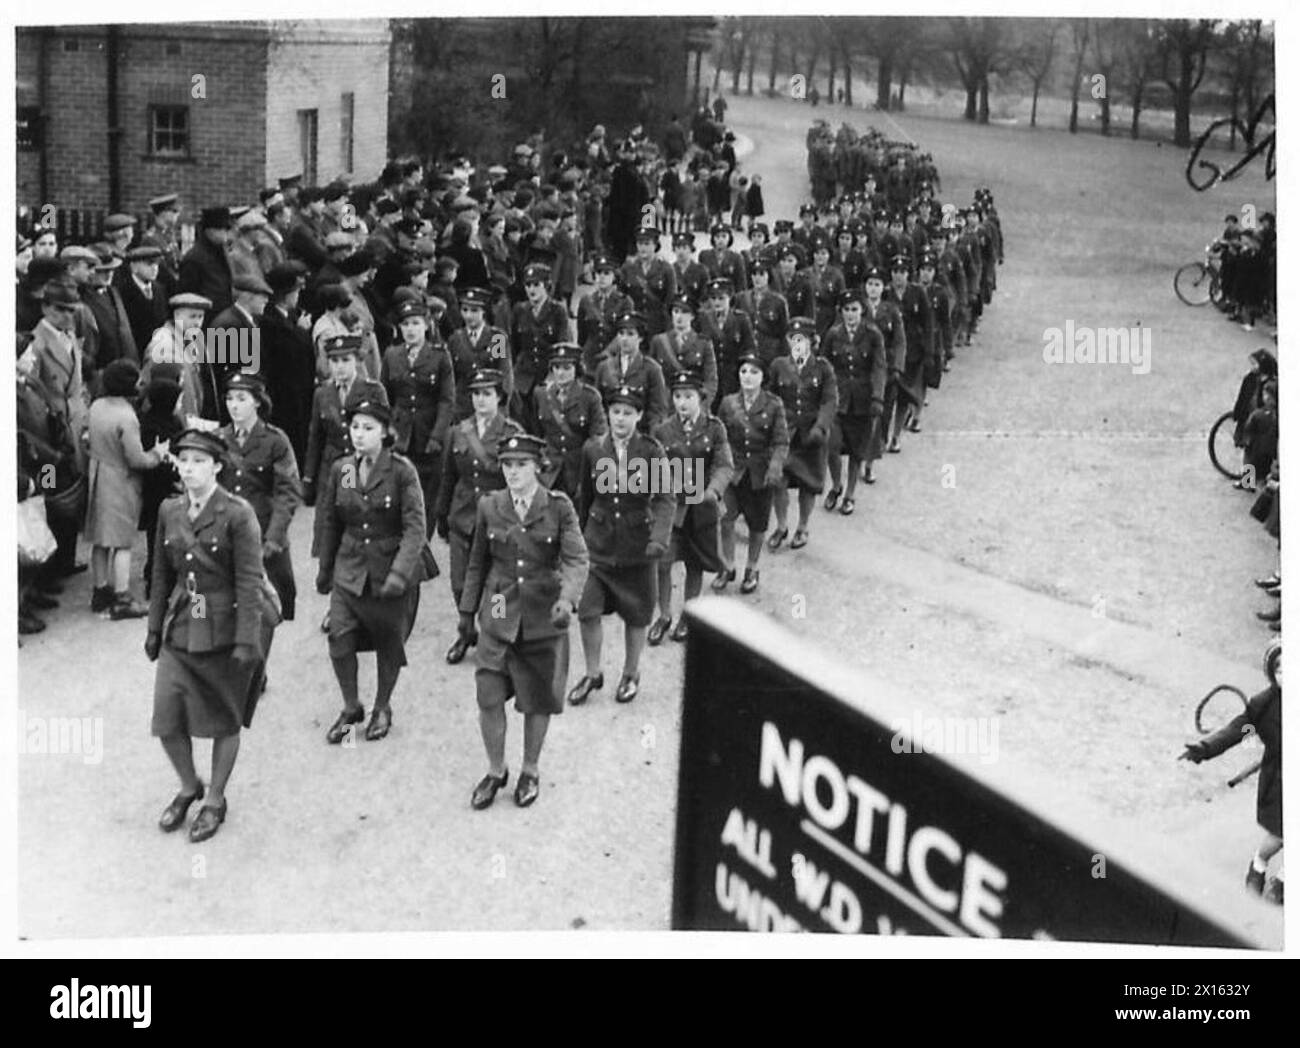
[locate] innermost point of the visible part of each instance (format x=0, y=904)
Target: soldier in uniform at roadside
x=759, y=246
x=756, y=430
x=941, y=311
x=918, y=332
x=328, y=434
x=164, y=234
x=825, y=284
x=538, y=323
x=721, y=261
x=476, y=346
x=627, y=365
x=730, y=331
x=598, y=312
x=626, y=522
x=806, y=384
x=372, y=561
x=847, y=258
x=692, y=277
x=569, y=413
x=885, y=316
x=692, y=437
x=972, y=255
x=792, y=284
x=649, y=281
x=681, y=348
x=469, y=471
x=526, y=571
x=858, y=354
x=259, y=466
x=766, y=310
x=952, y=273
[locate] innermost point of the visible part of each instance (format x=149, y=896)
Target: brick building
x=109, y=116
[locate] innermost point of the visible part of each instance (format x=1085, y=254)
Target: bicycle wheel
x=1225, y=454
x=1219, y=707
x=1221, y=301
x=1192, y=284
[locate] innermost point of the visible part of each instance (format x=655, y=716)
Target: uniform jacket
x=169, y=266
x=825, y=288
x=726, y=263
x=707, y=443
x=517, y=570
x=691, y=280
x=890, y=322
x=770, y=316
x=470, y=470
x=953, y=273
x=533, y=333
x=641, y=373
x=491, y=349
x=206, y=590
x=692, y=352
x=597, y=314
x=861, y=366
x=810, y=394
x=566, y=426
x=328, y=436
x=732, y=338
x=798, y=296
x=758, y=436
x=422, y=396
x=264, y=472
x=205, y=270
x=940, y=301
x=621, y=515
x=651, y=288
x=365, y=532
x=288, y=366
x=918, y=323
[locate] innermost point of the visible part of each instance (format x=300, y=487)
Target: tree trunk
x=811, y=69
x=1105, y=114
x=1232, y=128
x=984, y=99
x=771, y=69
x=738, y=62
x=749, y=70
x=1033, y=108
x=830, y=79
x=848, y=76
x=972, y=94
x=1133, y=130
x=884, y=77
x=1183, y=102
x=902, y=88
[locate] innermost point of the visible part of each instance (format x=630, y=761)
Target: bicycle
x=1225, y=455
x=1197, y=283
x=1216, y=710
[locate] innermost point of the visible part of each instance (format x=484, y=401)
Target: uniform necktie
x=521, y=506
x=411, y=354
x=363, y=471
x=241, y=435
x=343, y=392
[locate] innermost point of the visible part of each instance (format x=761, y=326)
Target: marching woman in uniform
x=692, y=436
x=806, y=385
x=205, y=623
x=370, y=524
x=627, y=519
x=260, y=467
x=469, y=471
x=526, y=571
x=756, y=429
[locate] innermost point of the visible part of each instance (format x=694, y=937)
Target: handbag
x=272, y=609
x=428, y=563
x=36, y=542
x=1263, y=506
x=69, y=505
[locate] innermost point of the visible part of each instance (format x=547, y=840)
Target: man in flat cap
x=178, y=343
x=116, y=340
x=79, y=269
x=243, y=249
x=234, y=333
x=143, y=293
x=119, y=231
x=205, y=269
x=270, y=249
x=164, y=234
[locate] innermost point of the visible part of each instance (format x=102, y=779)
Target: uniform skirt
x=856, y=435
x=805, y=466
x=911, y=383
x=534, y=672
x=113, y=502
x=630, y=590
x=204, y=695
x=754, y=504
x=372, y=623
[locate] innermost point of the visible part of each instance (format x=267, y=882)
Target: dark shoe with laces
x=173, y=815
x=681, y=630
x=778, y=537
x=578, y=694
x=832, y=499
x=381, y=720
x=722, y=578
x=460, y=646
x=655, y=636
x=101, y=598
x=527, y=789
x=207, y=822
x=486, y=791
x=628, y=688
x=800, y=539
x=750, y=582
x=126, y=606
x=1254, y=879
x=40, y=602
x=339, y=729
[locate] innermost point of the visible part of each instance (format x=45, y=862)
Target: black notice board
x=797, y=812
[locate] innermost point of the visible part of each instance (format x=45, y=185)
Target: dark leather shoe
x=486, y=791
x=1254, y=880
x=381, y=720
x=1270, y=616
x=1272, y=582
x=101, y=598
x=847, y=507
x=325, y=623
x=30, y=624
x=207, y=822
x=126, y=606
x=868, y=475
x=174, y=814
x=580, y=691
x=40, y=601
x=832, y=499
x=656, y=635
x=681, y=630
x=800, y=539
x=461, y=645
x=778, y=537
x=722, y=578
x=750, y=582
x=628, y=688
x=527, y=789
x=339, y=729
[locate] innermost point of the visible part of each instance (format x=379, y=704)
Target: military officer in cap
x=373, y=558
x=971, y=250
x=760, y=441
x=759, y=248
x=804, y=234
x=207, y=621
x=806, y=384
x=857, y=352
x=469, y=471
x=537, y=323
x=695, y=442
x=792, y=284
x=953, y=274
x=767, y=311
x=692, y=277
x=918, y=335
x=164, y=234
x=649, y=281
x=682, y=348
x=417, y=375
x=259, y=466
x=729, y=330
x=569, y=412
x=627, y=518
x=627, y=365
x=825, y=283
x=784, y=230
x=476, y=346
x=721, y=261
x=526, y=572
x=143, y=293
x=205, y=269
x=884, y=315
x=598, y=312
x=940, y=300
x=328, y=434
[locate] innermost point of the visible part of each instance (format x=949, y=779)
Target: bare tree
x=1184, y=45
x=1080, y=29
x=1036, y=56
x=977, y=47
x=1248, y=57
x=1107, y=48
x=1136, y=65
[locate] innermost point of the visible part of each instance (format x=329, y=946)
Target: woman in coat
x=370, y=527
x=469, y=471
x=115, y=494
x=205, y=628
x=756, y=430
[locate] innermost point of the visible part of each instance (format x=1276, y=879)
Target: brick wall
x=311, y=66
